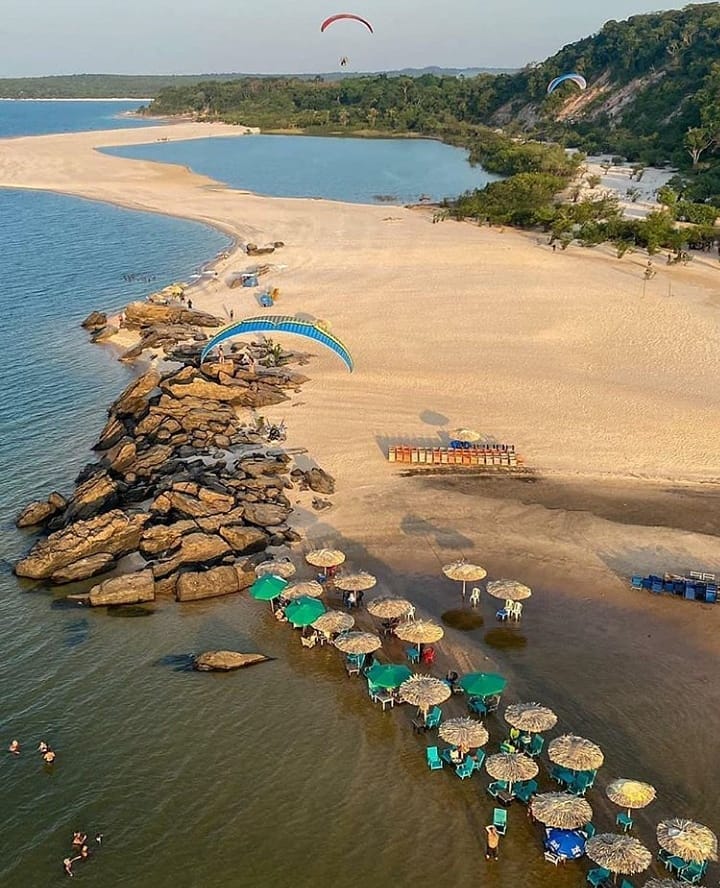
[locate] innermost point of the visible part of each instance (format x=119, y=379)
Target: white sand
x=619, y=179
x=563, y=354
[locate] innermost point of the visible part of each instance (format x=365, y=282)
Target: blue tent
x=568, y=843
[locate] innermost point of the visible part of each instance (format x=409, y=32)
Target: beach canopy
x=419, y=631
x=388, y=675
x=424, y=691
x=630, y=794
x=303, y=589
x=304, y=611
x=358, y=643
x=389, y=608
x=466, y=436
x=280, y=324
x=686, y=839
x=571, y=76
x=618, y=853
x=510, y=590
x=325, y=558
x=567, y=843
x=355, y=582
x=333, y=621
x=483, y=684
x=511, y=766
x=561, y=810
x=464, y=572
x=284, y=569
x=575, y=753
x=345, y=15
x=467, y=733
x=530, y=717
x=268, y=587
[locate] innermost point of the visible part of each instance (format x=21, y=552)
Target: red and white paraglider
x=342, y=16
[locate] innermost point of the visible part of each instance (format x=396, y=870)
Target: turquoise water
x=353, y=170
x=41, y=117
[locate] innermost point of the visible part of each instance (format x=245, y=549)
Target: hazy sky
x=265, y=36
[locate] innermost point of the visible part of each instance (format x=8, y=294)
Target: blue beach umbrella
x=304, y=611
x=566, y=843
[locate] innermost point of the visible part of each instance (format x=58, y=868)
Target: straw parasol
x=467, y=436
x=358, y=643
x=355, y=582
x=325, y=558
x=389, y=608
x=419, y=632
x=630, y=793
x=510, y=590
x=561, y=810
x=424, y=691
x=618, y=853
x=333, y=621
x=464, y=572
x=511, y=767
x=686, y=839
x=284, y=569
x=303, y=589
x=575, y=753
x=467, y=733
x=531, y=717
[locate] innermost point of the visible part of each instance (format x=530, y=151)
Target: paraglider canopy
x=343, y=61
x=572, y=76
x=281, y=324
x=345, y=15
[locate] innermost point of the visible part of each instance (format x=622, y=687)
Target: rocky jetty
x=181, y=484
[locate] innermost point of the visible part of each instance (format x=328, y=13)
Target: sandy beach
x=606, y=385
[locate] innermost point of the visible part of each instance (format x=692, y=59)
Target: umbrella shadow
x=505, y=638
x=444, y=537
x=430, y=417
x=463, y=619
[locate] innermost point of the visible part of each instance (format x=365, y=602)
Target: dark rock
x=265, y=514
x=135, y=394
x=112, y=433
x=95, y=495
x=96, y=320
x=106, y=332
x=320, y=482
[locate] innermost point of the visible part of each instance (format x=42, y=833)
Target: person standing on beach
x=493, y=843
x=189, y=303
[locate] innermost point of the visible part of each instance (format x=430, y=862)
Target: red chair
x=428, y=656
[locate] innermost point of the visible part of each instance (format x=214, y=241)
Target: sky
x=41, y=37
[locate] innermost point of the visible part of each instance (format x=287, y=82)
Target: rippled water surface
x=36, y=118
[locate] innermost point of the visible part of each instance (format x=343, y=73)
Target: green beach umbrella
x=304, y=611
x=268, y=587
x=482, y=684
x=388, y=675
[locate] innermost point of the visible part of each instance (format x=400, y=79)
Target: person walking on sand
x=493, y=842
x=14, y=747
x=475, y=597
x=189, y=303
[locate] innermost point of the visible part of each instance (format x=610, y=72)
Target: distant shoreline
x=37, y=99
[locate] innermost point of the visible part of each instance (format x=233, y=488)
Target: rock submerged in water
x=39, y=512
x=226, y=661
x=83, y=569
x=134, y=588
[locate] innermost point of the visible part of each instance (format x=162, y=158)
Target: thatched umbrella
x=284, y=569
x=630, y=793
x=389, y=608
x=511, y=767
x=575, y=753
x=510, y=590
x=686, y=839
x=533, y=718
x=464, y=572
x=325, y=558
x=419, y=632
x=467, y=436
x=466, y=733
x=424, y=691
x=358, y=643
x=333, y=621
x=618, y=853
x=304, y=588
x=561, y=810
x=355, y=582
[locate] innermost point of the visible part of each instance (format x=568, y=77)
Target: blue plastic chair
x=500, y=820
x=412, y=654
x=588, y=830
x=692, y=873
x=496, y=787
x=447, y=754
x=598, y=876
x=477, y=705
x=637, y=582
x=626, y=884
x=536, y=745
x=624, y=821
x=562, y=775
x=465, y=769
x=433, y=717
x=478, y=759
x=525, y=790
x=433, y=759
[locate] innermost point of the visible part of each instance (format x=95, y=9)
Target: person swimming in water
x=79, y=839
x=14, y=747
x=68, y=864
x=48, y=756
x=43, y=747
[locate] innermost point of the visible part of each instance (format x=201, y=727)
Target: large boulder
x=96, y=320
x=112, y=433
x=149, y=461
x=191, y=383
x=195, y=585
x=115, y=533
x=225, y=661
x=139, y=315
x=92, y=496
x=122, y=455
x=319, y=481
x=133, y=400
x=106, y=332
x=83, y=568
x=38, y=512
x=134, y=588
x=265, y=514
x=163, y=539
x=188, y=500
x=194, y=548
x=244, y=540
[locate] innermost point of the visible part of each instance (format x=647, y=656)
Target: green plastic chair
x=598, y=876
x=500, y=820
x=624, y=821
x=465, y=769
x=496, y=787
x=433, y=717
x=433, y=758
x=525, y=790
x=588, y=830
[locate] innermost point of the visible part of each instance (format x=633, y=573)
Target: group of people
x=79, y=845
x=46, y=752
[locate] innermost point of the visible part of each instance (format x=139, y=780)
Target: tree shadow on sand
x=444, y=537
x=505, y=638
x=462, y=619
